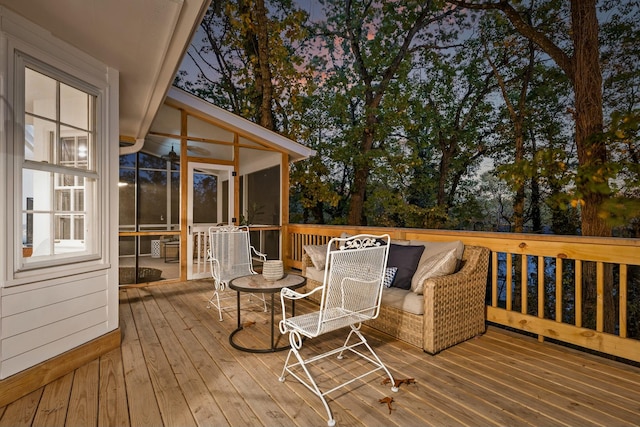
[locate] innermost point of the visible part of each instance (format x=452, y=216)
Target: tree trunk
x=536, y=215
x=583, y=69
x=376, y=83
x=518, y=200
x=591, y=148
x=517, y=115
x=362, y=167
x=356, y=201
x=587, y=83
x=318, y=213
x=256, y=46
x=266, y=85
x=449, y=150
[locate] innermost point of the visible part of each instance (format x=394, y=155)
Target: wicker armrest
x=454, y=305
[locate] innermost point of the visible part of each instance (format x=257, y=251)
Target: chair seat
x=334, y=318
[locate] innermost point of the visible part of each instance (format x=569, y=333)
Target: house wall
x=48, y=311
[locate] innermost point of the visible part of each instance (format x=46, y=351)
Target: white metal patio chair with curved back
x=230, y=256
x=351, y=293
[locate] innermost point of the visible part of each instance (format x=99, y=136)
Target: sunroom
x=236, y=173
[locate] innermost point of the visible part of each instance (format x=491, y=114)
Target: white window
x=60, y=174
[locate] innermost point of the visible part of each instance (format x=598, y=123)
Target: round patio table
x=255, y=283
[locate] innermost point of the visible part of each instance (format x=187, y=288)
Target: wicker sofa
x=453, y=306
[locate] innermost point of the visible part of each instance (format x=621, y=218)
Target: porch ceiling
x=249, y=132
x=144, y=39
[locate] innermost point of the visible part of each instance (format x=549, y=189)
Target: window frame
x=95, y=82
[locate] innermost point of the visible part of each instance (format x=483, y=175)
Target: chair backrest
x=229, y=253
x=353, y=280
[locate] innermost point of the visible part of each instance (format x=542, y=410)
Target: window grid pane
x=59, y=130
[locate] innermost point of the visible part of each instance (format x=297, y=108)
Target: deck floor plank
x=210, y=363
x=576, y=392
x=21, y=412
x=236, y=377
x=474, y=396
x=466, y=398
x=257, y=333
x=112, y=403
x=170, y=335
x=427, y=399
x=171, y=400
x=175, y=367
x=243, y=368
x=52, y=410
x=513, y=384
x=571, y=366
x=143, y=407
x=361, y=398
x=84, y=395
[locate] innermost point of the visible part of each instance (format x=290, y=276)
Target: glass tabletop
x=257, y=283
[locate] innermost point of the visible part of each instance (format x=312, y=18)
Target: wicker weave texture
x=311, y=284
x=401, y=324
x=454, y=306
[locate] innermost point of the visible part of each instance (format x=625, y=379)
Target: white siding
x=50, y=311
x=40, y=322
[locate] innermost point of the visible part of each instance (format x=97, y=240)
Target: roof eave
x=242, y=126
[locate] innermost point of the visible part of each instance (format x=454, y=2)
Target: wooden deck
x=176, y=368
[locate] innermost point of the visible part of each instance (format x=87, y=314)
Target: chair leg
x=363, y=340
x=311, y=385
x=295, y=341
x=260, y=298
x=215, y=303
x=264, y=303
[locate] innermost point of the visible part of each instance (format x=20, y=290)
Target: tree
x=450, y=118
x=523, y=58
x=248, y=61
x=620, y=48
x=376, y=43
x=580, y=61
x=313, y=189
x=576, y=51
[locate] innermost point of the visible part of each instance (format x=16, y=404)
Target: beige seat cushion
x=315, y=274
x=404, y=300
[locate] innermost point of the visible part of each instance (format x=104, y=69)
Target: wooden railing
x=536, y=282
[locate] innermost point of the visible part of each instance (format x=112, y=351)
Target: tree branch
x=563, y=60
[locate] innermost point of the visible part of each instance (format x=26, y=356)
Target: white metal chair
x=230, y=256
x=351, y=293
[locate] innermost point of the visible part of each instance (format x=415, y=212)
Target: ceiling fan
x=172, y=156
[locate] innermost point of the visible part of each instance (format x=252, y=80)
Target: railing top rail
x=603, y=249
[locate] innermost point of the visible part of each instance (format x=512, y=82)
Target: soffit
x=144, y=40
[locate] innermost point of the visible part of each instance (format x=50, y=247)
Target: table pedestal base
x=273, y=347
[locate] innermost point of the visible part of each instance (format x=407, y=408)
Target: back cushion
x=406, y=259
